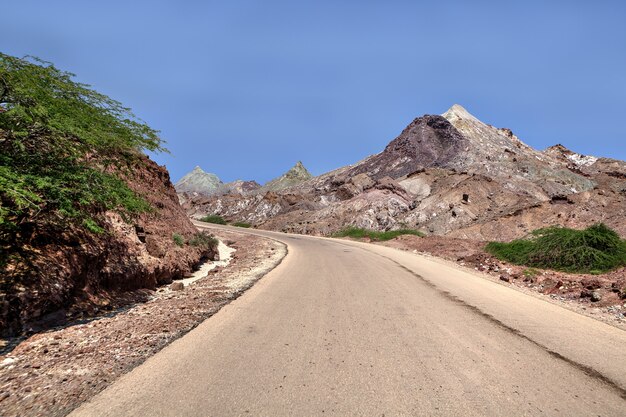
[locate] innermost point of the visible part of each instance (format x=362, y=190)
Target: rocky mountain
x=500, y=154
x=446, y=175
x=296, y=174
x=199, y=182
x=239, y=187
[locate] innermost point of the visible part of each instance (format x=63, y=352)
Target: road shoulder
x=52, y=373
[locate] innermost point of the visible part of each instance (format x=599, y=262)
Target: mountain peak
x=198, y=181
x=299, y=170
x=296, y=174
x=458, y=112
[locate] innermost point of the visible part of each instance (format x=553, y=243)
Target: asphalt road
x=349, y=329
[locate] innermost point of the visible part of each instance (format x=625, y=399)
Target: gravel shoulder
x=52, y=373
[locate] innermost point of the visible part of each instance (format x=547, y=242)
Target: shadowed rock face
x=446, y=175
x=239, y=187
x=429, y=141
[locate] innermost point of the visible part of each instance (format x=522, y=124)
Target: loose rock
x=177, y=286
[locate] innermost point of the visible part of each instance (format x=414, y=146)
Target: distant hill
x=198, y=181
x=239, y=187
x=296, y=174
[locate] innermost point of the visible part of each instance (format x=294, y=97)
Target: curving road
x=350, y=329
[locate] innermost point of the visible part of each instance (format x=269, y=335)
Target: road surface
x=349, y=329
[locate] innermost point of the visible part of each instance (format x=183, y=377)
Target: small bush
x=178, y=239
x=596, y=248
x=358, y=233
x=213, y=218
x=530, y=272
x=92, y=226
x=242, y=224
x=203, y=240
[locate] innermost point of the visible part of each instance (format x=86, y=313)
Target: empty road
x=350, y=329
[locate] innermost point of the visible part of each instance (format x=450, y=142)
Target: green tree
x=61, y=147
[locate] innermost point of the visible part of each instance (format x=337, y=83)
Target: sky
x=244, y=89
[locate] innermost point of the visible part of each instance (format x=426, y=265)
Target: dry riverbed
x=51, y=373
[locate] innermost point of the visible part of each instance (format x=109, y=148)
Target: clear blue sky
x=246, y=88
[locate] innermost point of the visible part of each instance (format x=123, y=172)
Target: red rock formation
x=60, y=267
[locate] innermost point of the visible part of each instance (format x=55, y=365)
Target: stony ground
x=599, y=296
x=51, y=373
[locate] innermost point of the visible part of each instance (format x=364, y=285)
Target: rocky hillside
x=85, y=216
x=239, y=187
x=63, y=272
x=446, y=175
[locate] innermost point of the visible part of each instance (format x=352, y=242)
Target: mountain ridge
x=197, y=182
x=446, y=175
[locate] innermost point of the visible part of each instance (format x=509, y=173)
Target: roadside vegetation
x=203, y=240
x=65, y=151
x=596, y=249
x=213, y=218
x=374, y=235
x=60, y=141
x=178, y=239
x=242, y=224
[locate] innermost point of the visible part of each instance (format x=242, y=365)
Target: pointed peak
x=458, y=112
x=296, y=174
x=299, y=166
x=557, y=148
x=199, y=181
x=458, y=108
x=299, y=170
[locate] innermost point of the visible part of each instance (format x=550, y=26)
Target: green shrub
x=358, y=233
x=60, y=144
x=242, y=224
x=596, y=248
x=530, y=272
x=203, y=240
x=178, y=239
x=213, y=218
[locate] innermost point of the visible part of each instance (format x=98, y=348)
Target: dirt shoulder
x=597, y=296
x=51, y=373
